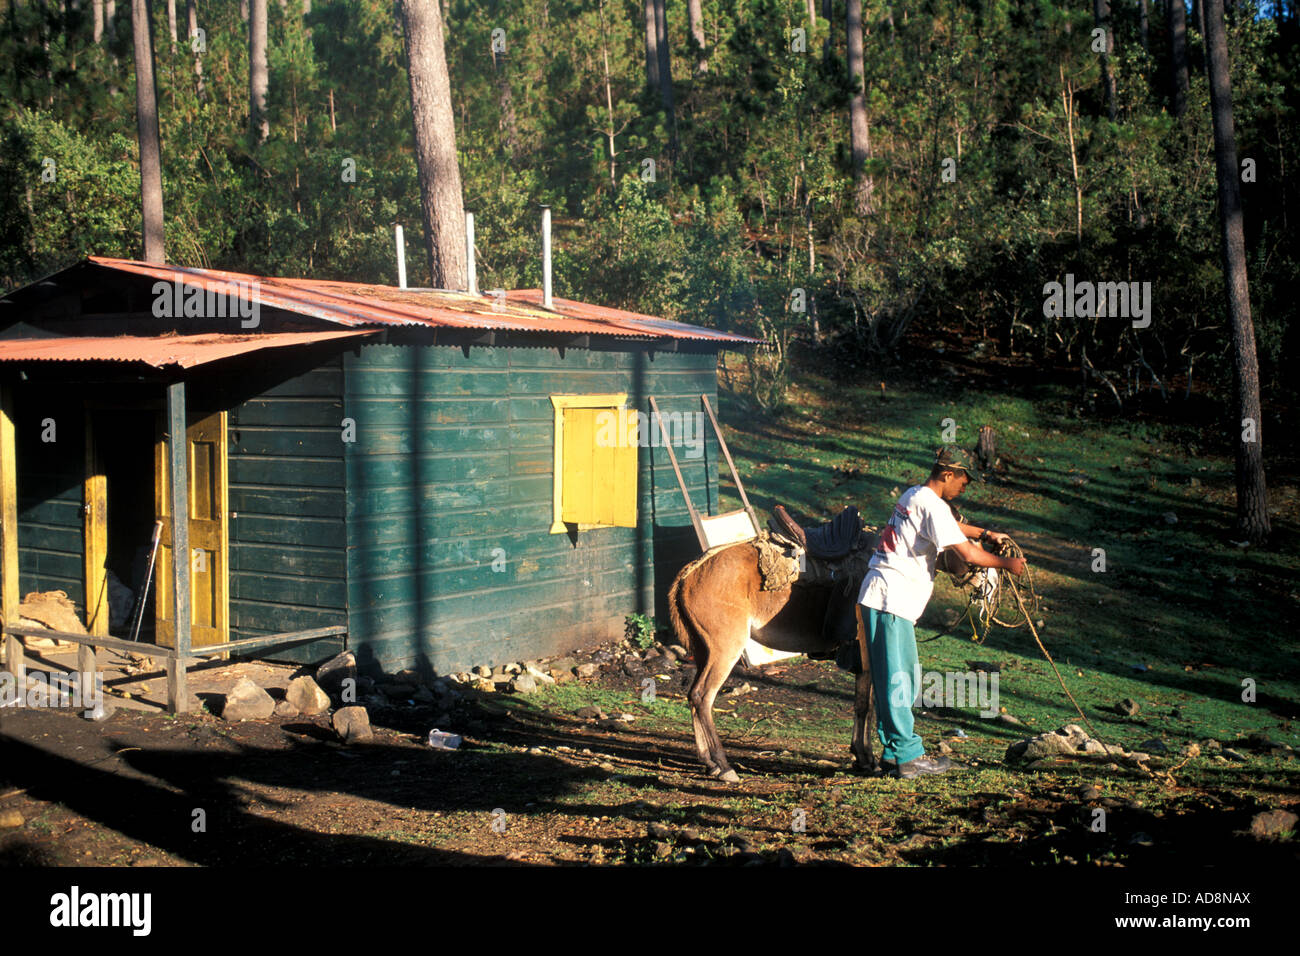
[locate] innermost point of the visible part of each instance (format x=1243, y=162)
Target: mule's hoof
x=730, y=777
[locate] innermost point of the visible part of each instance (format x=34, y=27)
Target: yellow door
x=209, y=570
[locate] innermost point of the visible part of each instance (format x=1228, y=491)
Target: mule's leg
x=714, y=671
x=864, y=705
x=703, y=745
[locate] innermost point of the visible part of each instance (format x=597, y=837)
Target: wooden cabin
x=425, y=477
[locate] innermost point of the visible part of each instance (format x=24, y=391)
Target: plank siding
x=51, y=536
x=450, y=562
x=287, y=502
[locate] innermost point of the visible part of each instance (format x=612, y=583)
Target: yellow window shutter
x=595, y=462
x=579, y=465
x=624, y=484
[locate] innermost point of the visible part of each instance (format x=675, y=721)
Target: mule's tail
x=684, y=628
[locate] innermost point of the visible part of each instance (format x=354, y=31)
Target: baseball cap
x=952, y=456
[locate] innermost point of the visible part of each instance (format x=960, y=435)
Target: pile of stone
x=1068, y=741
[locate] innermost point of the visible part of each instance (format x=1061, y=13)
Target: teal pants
x=895, y=673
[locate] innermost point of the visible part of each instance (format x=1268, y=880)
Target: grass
x=1201, y=614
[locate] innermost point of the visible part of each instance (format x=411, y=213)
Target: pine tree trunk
x=696, y=16
x=98, y=15
x=859, y=132
x=192, y=25
x=435, y=144
x=1101, y=16
x=506, y=102
x=665, y=61
x=828, y=14
x=651, y=46
x=1252, y=495
x=171, y=20
x=1144, y=24
x=146, y=113
x=1178, y=56
x=258, y=126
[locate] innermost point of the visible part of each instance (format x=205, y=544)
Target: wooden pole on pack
x=695, y=515
x=730, y=464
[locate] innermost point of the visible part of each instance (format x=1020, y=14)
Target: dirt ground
x=534, y=783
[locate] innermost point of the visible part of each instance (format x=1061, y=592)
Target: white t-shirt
x=901, y=578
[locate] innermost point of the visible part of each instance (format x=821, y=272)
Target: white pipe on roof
x=470, y=268
x=401, y=258
x=546, y=257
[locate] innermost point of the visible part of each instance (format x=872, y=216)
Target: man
x=895, y=592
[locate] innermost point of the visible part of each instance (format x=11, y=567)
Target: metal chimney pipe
x=401, y=258
x=546, y=257
x=470, y=268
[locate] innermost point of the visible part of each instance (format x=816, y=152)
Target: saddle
x=837, y=554
x=829, y=541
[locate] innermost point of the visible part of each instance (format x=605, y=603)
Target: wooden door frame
x=161, y=477
x=95, y=514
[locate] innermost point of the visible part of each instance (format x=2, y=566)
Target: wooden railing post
x=178, y=698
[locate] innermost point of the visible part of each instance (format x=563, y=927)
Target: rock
x=1128, y=707
x=524, y=684
x=1270, y=825
x=539, y=676
x=587, y=670
x=659, y=831
x=306, y=697
x=331, y=674
x=9, y=819
x=1008, y=719
x=423, y=695
x=1211, y=745
x=566, y=664
x=944, y=748
x=397, y=690
x=484, y=672
x=513, y=669
x=741, y=691
x=486, y=686
x=1258, y=741
x=678, y=651
x=591, y=713
x=561, y=677
x=352, y=724
x=1234, y=755
x=662, y=849
x=1088, y=792
x=1192, y=750
x=633, y=667
x=784, y=857
x=247, y=701
x=285, y=709
x=1154, y=746
x=1142, y=839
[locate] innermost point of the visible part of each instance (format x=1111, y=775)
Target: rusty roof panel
x=362, y=304
x=185, y=351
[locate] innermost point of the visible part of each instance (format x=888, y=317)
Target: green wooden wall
x=450, y=562
x=287, y=533
x=51, y=535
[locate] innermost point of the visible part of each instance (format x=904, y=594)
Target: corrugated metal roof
x=159, y=351
x=359, y=304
